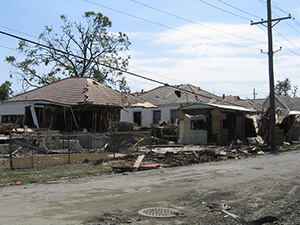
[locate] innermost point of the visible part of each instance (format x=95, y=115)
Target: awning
x=233, y=107
x=225, y=107
x=195, y=117
x=294, y=112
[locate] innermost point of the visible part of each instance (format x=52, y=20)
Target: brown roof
x=73, y=91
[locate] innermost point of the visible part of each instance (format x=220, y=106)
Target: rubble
x=170, y=156
x=156, y=152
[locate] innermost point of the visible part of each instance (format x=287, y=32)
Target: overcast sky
x=207, y=43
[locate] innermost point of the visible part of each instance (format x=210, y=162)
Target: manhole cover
x=159, y=212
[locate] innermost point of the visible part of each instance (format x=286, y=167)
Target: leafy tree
x=5, y=90
x=294, y=91
x=85, y=50
x=284, y=87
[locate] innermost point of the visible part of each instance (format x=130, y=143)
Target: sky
x=207, y=43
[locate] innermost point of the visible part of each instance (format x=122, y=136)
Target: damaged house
x=203, y=123
x=201, y=117
x=287, y=111
x=70, y=104
x=287, y=116
x=167, y=100
x=134, y=109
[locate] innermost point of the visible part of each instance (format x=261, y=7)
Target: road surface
x=267, y=185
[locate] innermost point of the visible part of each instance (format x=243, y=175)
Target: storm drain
x=159, y=212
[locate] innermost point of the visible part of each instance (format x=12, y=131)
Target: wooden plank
x=138, y=161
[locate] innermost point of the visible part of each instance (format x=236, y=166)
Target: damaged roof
x=246, y=103
x=132, y=101
x=293, y=104
x=284, y=102
x=180, y=94
x=73, y=91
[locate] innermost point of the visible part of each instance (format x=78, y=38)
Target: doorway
x=137, y=118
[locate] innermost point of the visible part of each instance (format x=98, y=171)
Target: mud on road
x=254, y=188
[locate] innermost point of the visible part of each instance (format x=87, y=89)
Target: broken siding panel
x=215, y=121
x=239, y=128
x=219, y=127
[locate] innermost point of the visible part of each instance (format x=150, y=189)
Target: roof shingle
x=73, y=91
x=165, y=95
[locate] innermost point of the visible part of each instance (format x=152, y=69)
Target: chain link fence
x=46, y=149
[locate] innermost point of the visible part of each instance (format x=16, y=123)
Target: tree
x=284, y=87
x=5, y=90
x=81, y=50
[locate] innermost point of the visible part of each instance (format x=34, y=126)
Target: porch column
x=34, y=117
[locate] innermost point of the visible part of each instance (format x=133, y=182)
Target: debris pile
x=174, y=155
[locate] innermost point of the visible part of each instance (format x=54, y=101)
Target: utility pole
x=270, y=25
x=254, y=93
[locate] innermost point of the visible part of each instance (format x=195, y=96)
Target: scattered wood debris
x=225, y=208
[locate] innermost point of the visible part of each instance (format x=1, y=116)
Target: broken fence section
x=42, y=149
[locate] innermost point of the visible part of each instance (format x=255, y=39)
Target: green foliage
x=284, y=87
x=5, y=90
x=80, y=49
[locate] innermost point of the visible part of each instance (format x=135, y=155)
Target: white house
x=167, y=100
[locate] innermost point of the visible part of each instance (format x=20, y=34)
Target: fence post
x=89, y=142
x=11, y=167
x=150, y=142
x=69, y=151
x=32, y=158
x=63, y=143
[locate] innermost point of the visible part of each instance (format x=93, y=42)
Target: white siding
x=189, y=136
x=13, y=108
x=147, y=114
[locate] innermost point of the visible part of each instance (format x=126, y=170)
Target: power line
x=264, y=4
x=297, y=23
x=156, y=74
x=20, y=32
x=190, y=21
x=288, y=41
x=102, y=64
x=73, y=55
x=29, y=35
x=231, y=13
x=285, y=12
x=241, y=10
x=279, y=8
x=165, y=26
x=3, y=46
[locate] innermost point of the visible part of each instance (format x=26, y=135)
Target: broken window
x=6, y=119
x=156, y=117
x=198, y=125
x=225, y=124
x=174, y=116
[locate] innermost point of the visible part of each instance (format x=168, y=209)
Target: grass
x=35, y=176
